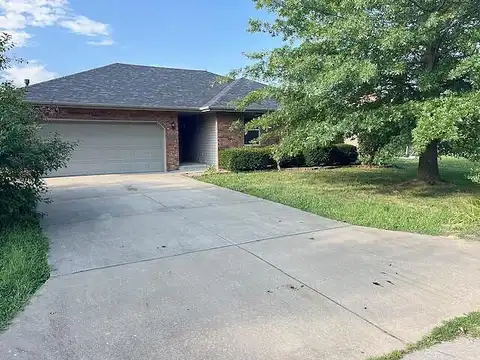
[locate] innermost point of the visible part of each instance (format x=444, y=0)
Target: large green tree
x=383, y=70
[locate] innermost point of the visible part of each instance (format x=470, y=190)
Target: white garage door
x=110, y=148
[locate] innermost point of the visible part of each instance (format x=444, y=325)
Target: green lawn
x=386, y=198
x=468, y=325
x=23, y=269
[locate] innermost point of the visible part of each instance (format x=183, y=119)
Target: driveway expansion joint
x=308, y=293
x=239, y=246
x=304, y=284
x=229, y=245
x=165, y=209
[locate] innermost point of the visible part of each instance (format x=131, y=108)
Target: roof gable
x=136, y=86
x=238, y=89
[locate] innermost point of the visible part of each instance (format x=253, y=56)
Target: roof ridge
x=124, y=64
x=222, y=93
x=74, y=74
x=165, y=67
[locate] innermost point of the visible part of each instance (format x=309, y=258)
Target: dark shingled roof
x=136, y=86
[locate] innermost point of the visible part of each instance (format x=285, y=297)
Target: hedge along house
x=131, y=118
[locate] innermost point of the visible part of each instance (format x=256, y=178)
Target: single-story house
x=131, y=118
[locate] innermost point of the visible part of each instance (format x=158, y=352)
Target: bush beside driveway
x=26, y=157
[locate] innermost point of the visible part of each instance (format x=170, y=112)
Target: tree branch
x=414, y=2
x=443, y=3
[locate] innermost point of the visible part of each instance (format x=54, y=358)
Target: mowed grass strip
x=384, y=198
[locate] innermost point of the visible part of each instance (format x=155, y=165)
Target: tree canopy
x=386, y=71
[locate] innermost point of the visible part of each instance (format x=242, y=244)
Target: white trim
x=186, y=109
x=234, y=110
x=113, y=106
x=165, y=166
x=216, y=141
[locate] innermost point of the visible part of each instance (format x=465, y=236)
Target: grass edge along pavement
x=383, y=198
x=23, y=268
x=463, y=326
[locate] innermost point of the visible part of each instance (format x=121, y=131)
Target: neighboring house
x=131, y=118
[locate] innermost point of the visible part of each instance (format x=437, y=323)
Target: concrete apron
x=165, y=267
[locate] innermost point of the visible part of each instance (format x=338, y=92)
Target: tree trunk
x=428, y=164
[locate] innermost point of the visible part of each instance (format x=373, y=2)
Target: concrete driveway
x=165, y=267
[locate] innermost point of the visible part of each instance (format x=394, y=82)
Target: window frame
x=245, y=121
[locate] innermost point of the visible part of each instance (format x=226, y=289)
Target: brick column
x=172, y=143
x=227, y=137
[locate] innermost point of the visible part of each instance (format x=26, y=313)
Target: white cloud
x=19, y=38
x=12, y=20
x=85, y=26
x=17, y=16
x=105, y=42
x=34, y=71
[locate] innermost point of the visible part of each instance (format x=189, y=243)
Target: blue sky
x=61, y=37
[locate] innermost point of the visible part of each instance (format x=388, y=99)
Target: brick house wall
x=227, y=137
x=169, y=120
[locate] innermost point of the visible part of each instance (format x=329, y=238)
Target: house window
x=253, y=134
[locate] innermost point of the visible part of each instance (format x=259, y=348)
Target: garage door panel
x=113, y=168
x=108, y=148
x=115, y=154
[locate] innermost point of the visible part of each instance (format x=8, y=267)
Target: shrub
x=369, y=145
x=268, y=150
x=344, y=154
x=341, y=154
x=292, y=161
x=18, y=204
x=256, y=158
x=245, y=159
x=474, y=175
x=317, y=156
x=25, y=157
x=283, y=159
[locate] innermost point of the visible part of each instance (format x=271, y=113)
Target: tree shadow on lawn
x=397, y=180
